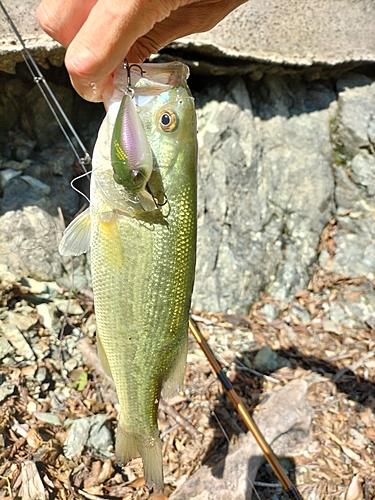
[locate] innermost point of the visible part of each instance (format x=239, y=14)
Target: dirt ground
x=338, y=363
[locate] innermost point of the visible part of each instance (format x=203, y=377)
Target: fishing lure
x=131, y=155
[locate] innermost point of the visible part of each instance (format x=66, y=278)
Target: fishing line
x=39, y=79
x=76, y=179
x=288, y=486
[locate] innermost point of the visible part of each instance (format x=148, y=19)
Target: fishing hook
x=128, y=68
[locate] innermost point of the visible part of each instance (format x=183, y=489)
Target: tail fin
x=131, y=445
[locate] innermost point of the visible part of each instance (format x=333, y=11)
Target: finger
x=193, y=18
x=62, y=19
x=117, y=25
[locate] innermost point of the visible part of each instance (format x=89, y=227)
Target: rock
x=70, y=364
x=259, y=221
x=6, y=175
x=18, y=166
x=354, y=177
x=354, y=311
x=6, y=389
x=284, y=420
x=38, y=121
x=22, y=322
x=41, y=374
x=5, y=347
x=331, y=327
x=356, y=107
x=69, y=306
x=29, y=243
x=22, y=146
x=37, y=184
x=270, y=310
x=266, y=360
x=91, y=432
x=5, y=274
x=362, y=172
x=18, y=341
x=300, y=313
x=46, y=311
x=37, y=287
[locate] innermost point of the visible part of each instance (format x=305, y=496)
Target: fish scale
x=143, y=256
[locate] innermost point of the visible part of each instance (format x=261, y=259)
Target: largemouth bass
x=143, y=256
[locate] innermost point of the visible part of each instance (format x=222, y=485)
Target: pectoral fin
x=76, y=237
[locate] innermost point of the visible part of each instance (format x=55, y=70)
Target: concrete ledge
x=278, y=32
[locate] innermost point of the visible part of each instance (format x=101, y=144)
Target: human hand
x=99, y=34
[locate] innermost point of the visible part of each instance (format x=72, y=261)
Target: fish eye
x=168, y=120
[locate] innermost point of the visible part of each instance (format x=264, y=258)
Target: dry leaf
x=93, y=478
x=32, y=487
x=94, y=490
x=106, y=472
x=350, y=453
x=33, y=439
x=355, y=491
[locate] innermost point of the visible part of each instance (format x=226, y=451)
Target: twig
x=172, y=412
x=89, y=496
x=175, y=426
x=8, y=486
x=221, y=427
x=353, y=366
x=267, y=485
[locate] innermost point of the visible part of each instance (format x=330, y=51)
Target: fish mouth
x=154, y=77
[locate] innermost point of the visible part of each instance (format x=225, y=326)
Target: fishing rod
x=49, y=96
x=288, y=486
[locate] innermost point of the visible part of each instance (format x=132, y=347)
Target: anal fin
x=103, y=357
x=175, y=380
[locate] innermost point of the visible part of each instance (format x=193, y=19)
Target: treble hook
x=128, y=67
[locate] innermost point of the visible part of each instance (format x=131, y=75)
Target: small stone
x=15, y=165
x=37, y=286
x=23, y=323
x=265, y=360
x=31, y=406
x=91, y=432
x=41, y=374
x=37, y=184
x=69, y=306
x=331, y=327
x=70, y=364
x=270, y=311
x=6, y=389
x=6, y=274
x=15, y=337
x=46, y=312
x=6, y=175
x=300, y=313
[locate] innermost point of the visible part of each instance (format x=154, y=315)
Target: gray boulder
x=353, y=133
x=265, y=190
